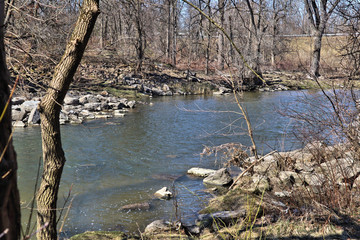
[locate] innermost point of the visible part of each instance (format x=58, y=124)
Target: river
x=119, y=161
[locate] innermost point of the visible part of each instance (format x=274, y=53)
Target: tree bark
x=174, y=33
x=221, y=47
x=316, y=53
x=53, y=154
x=9, y=194
x=318, y=14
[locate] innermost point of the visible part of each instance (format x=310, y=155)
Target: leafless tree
x=50, y=106
x=9, y=195
x=318, y=12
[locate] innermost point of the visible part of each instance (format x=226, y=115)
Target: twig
x=4, y=232
x=9, y=99
x=40, y=229
x=250, y=167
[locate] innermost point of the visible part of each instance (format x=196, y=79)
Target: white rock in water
x=19, y=124
x=163, y=193
x=200, y=172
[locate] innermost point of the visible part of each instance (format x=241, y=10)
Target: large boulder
x=221, y=177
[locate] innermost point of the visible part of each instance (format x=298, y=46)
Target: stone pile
x=313, y=167
x=76, y=108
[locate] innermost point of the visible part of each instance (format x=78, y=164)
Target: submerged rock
x=136, y=206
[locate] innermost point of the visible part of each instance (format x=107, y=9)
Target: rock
x=290, y=178
x=165, y=88
x=260, y=184
x=18, y=115
x=104, y=93
x=223, y=218
x=69, y=100
x=221, y=178
x=303, y=167
x=157, y=92
x=356, y=183
x=130, y=104
x=163, y=193
x=136, y=206
x=116, y=105
x=93, y=106
x=28, y=106
x=282, y=194
x=200, y=172
x=64, y=118
x=160, y=226
x=117, y=113
x=83, y=100
x=222, y=91
x=18, y=100
x=102, y=116
x=34, y=116
x=267, y=166
x=19, y=124
x=314, y=179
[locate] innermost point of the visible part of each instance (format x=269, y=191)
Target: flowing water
x=119, y=161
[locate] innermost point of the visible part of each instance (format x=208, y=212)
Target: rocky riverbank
x=77, y=107
x=273, y=195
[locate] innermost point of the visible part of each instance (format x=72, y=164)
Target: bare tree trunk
x=318, y=13
x=221, y=48
x=174, y=33
x=168, y=31
x=9, y=194
x=231, y=51
x=53, y=154
x=315, y=58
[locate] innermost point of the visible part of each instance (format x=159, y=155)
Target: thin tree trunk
x=53, y=154
x=9, y=194
x=168, y=31
x=174, y=33
x=231, y=51
x=221, y=47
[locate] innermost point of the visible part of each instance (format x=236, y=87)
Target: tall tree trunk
x=140, y=37
x=9, y=194
x=231, y=51
x=168, y=30
x=221, y=48
x=174, y=33
x=53, y=154
x=315, y=58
